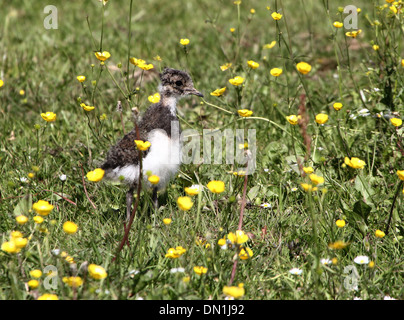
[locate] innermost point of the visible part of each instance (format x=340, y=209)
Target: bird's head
x=177, y=84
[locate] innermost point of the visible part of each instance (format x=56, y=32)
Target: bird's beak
x=195, y=92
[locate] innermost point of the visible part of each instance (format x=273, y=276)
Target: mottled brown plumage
x=123, y=158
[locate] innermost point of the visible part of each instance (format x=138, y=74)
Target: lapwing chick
x=160, y=126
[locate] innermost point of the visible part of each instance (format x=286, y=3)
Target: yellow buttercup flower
x=1, y=83
x=393, y=9
x=136, y=61
x=269, y=45
x=16, y=235
x=245, y=253
x=22, y=92
x=174, y=253
x=303, y=67
x=308, y=187
x=293, y=119
x=236, y=81
x=48, y=296
x=185, y=203
x=38, y=219
x=20, y=242
x=33, y=284
x=155, y=98
x=97, y=272
x=153, y=179
x=86, y=107
x=276, y=16
x=233, y=291
x=9, y=247
x=200, y=270
x=402, y=62
x=142, y=145
x=400, y=174
x=192, y=190
x=308, y=170
x=216, y=186
x=316, y=180
x=337, y=106
x=321, y=118
x=379, y=233
x=239, y=237
x=375, y=47
x=354, y=162
x=145, y=66
x=96, y=175
x=218, y=92
x=225, y=66
x=276, y=72
x=338, y=245
x=81, y=78
x=21, y=219
x=35, y=273
x=70, y=227
x=340, y=223
x=48, y=116
x=157, y=58
x=43, y=208
x=252, y=64
x=232, y=30
x=353, y=34
x=396, y=122
x=167, y=221
x=338, y=24
x=73, y=281
x=245, y=113
x=102, y=56
x=184, y=42
x=252, y=11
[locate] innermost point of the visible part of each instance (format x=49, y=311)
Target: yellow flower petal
x=48, y=116
x=142, y=145
x=216, y=186
x=102, y=56
x=96, y=175
x=303, y=67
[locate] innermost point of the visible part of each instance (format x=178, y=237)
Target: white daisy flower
x=296, y=271
x=388, y=298
x=361, y=260
x=325, y=261
x=62, y=177
x=266, y=205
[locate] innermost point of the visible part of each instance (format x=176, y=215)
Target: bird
x=156, y=126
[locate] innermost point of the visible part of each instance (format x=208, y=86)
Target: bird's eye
x=178, y=83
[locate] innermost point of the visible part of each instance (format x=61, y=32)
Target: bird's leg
x=129, y=201
x=155, y=198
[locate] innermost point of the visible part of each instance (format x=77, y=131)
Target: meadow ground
x=322, y=215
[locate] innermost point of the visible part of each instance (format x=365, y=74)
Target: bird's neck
x=169, y=101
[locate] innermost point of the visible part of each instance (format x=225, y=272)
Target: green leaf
x=362, y=209
x=363, y=186
x=23, y=206
x=253, y=192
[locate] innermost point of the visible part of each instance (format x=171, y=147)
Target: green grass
x=298, y=228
